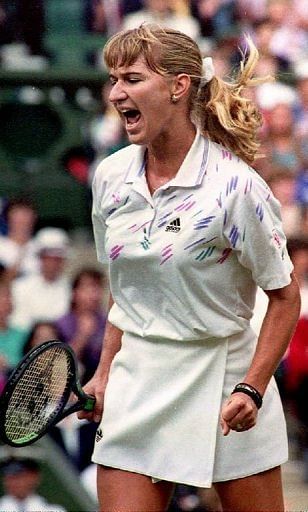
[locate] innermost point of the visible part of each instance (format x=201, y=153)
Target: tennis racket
x=38, y=393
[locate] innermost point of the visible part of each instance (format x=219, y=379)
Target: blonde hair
x=218, y=107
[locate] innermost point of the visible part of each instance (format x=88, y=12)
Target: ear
x=180, y=85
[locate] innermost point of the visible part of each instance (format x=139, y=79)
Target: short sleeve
x=254, y=230
x=98, y=221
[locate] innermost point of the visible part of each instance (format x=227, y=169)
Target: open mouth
x=132, y=116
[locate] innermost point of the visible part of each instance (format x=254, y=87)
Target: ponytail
x=226, y=116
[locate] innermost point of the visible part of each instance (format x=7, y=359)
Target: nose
x=117, y=93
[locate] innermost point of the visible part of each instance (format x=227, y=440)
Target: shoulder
x=229, y=168
x=224, y=159
x=7, y=246
x=115, y=165
x=18, y=332
x=26, y=282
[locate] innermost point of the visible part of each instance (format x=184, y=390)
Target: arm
x=97, y=385
x=276, y=331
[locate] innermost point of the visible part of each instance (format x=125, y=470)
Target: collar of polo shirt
x=191, y=172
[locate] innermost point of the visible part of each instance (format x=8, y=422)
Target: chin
x=136, y=139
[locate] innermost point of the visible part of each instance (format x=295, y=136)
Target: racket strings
x=39, y=394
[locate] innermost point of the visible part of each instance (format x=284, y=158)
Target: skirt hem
x=204, y=485
x=251, y=473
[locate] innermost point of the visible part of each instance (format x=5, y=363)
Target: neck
x=165, y=157
x=19, y=238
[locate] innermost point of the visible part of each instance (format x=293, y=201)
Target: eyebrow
x=128, y=73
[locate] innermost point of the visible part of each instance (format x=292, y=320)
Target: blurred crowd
x=41, y=299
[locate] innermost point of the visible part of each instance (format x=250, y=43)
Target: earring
x=174, y=98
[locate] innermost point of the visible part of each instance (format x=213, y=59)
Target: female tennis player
x=188, y=230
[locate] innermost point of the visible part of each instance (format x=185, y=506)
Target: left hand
x=239, y=413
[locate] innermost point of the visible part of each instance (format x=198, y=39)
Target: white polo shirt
x=184, y=263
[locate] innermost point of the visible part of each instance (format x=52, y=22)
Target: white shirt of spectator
x=33, y=503
x=36, y=299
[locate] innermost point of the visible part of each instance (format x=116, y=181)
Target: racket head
x=36, y=393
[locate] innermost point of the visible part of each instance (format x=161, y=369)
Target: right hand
x=96, y=387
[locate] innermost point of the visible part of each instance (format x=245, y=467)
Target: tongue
x=133, y=117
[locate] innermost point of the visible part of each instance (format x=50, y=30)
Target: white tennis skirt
x=162, y=408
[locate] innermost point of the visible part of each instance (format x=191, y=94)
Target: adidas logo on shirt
x=174, y=225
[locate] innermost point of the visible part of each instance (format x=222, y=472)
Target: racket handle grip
x=89, y=404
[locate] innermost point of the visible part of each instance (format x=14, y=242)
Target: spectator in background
x=263, y=31
x=40, y=332
x=30, y=22
x=129, y=6
x=296, y=384
x=301, y=107
x=250, y=11
x=83, y=326
x=283, y=185
x=12, y=339
x=17, y=247
x=281, y=147
x=217, y=18
x=105, y=130
x=290, y=40
x=7, y=22
x=161, y=12
x=45, y=295
x=298, y=248
x=21, y=479
x=103, y=16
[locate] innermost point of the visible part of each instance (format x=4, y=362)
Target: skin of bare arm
x=97, y=385
x=275, y=334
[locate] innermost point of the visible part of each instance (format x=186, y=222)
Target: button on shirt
x=184, y=263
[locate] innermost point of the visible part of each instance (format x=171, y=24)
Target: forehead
x=138, y=66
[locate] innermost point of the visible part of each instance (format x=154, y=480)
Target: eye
x=112, y=80
x=133, y=80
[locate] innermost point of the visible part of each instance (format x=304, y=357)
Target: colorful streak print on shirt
x=226, y=154
x=248, y=186
x=115, y=252
x=118, y=201
x=234, y=235
x=145, y=242
x=225, y=254
x=204, y=223
x=166, y=253
x=231, y=185
x=260, y=211
x=198, y=242
x=162, y=221
x=136, y=227
x=206, y=253
x=186, y=204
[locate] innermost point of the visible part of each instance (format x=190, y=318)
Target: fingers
x=95, y=415
x=224, y=427
x=97, y=389
x=239, y=413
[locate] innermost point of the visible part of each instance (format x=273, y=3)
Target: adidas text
x=174, y=226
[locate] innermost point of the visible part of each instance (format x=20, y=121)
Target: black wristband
x=249, y=390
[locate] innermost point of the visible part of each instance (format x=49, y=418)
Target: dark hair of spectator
x=90, y=273
x=28, y=342
x=19, y=202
